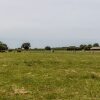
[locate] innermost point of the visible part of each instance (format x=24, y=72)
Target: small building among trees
x=95, y=48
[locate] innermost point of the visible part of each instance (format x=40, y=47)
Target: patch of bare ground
x=20, y=90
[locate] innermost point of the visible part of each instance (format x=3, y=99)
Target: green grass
x=50, y=76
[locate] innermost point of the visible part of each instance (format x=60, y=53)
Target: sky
x=49, y=22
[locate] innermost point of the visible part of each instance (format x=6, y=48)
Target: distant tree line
x=27, y=46
x=86, y=47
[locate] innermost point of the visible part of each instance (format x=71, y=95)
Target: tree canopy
x=3, y=46
x=47, y=48
x=26, y=46
x=95, y=45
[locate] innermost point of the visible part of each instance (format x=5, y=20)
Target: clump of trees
x=3, y=46
x=96, y=45
x=83, y=47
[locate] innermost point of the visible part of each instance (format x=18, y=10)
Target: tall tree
x=26, y=46
x=82, y=46
x=47, y=48
x=89, y=46
x=96, y=45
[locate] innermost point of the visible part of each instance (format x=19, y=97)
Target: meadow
x=50, y=76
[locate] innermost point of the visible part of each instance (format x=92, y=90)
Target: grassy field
x=50, y=76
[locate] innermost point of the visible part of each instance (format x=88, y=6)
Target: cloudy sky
x=49, y=22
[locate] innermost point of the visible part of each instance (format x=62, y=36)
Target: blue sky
x=49, y=22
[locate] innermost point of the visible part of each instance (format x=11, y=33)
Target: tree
x=3, y=46
x=47, y=48
x=89, y=46
x=82, y=46
x=26, y=46
x=95, y=45
x=85, y=47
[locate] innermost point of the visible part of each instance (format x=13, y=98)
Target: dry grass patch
x=20, y=91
